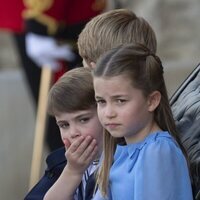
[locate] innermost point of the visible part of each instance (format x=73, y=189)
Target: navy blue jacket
x=56, y=162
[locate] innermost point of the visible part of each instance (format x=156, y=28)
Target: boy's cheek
x=66, y=143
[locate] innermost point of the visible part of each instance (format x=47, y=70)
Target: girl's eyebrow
x=98, y=97
x=119, y=96
x=114, y=96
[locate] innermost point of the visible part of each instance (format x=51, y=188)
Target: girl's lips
x=112, y=125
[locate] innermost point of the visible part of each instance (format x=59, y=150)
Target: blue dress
x=153, y=169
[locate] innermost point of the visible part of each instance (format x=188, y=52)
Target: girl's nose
x=110, y=112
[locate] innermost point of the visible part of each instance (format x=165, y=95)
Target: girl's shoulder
x=157, y=143
x=155, y=147
x=161, y=145
x=154, y=139
x=160, y=140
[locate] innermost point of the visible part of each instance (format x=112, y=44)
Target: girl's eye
x=100, y=101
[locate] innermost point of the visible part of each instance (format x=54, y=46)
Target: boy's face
x=80, y=123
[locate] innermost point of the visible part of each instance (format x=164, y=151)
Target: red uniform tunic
x=56, y=15
x=10, y=15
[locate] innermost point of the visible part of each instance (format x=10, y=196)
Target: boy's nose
x=74, y=132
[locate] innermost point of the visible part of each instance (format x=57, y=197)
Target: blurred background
x=177, y=26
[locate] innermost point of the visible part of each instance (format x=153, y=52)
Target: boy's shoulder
x=55, y=162
x=56, y=158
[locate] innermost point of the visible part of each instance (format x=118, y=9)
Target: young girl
x=71, y=100
x=133, y=104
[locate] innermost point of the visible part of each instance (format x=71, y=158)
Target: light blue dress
x=154, y=169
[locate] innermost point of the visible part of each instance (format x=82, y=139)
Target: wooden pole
x=45, y=84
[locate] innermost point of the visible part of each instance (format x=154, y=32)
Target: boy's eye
x=63, y=125
x=121, y=101
x=84, y=120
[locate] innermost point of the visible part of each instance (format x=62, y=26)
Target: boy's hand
x=80, y=154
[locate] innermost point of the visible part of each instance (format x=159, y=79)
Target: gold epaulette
x=35, y=9
x=99, y=5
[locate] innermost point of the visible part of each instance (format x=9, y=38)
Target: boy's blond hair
x=111, y=29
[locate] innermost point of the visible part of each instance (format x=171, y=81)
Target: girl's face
x=122, y=109
x=80, y=123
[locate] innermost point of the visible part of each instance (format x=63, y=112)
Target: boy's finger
x=84, y=145
x=75, y=145
x=90, y=150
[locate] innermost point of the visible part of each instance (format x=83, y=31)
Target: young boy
x=101, y=34
x=80, y=130
x=111, y=29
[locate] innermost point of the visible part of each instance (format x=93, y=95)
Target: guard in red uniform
x=52, y=28
x=10, y=15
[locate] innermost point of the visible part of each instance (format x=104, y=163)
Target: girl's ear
x=153, y=100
